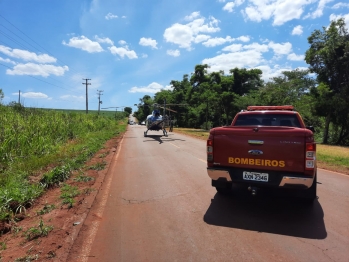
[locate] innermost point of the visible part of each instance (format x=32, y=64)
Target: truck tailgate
x=262, y=148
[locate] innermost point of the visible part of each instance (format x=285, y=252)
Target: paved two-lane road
x=157, y=204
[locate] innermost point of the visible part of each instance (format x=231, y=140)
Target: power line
x=29, y=38
x=1, y=32
x=19, y=38
x=58, y=60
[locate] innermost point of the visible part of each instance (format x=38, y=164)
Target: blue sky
x=131, y=48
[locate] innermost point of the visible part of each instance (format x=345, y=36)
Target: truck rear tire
x=309, y=195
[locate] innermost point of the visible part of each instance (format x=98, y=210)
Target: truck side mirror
x=311, y=128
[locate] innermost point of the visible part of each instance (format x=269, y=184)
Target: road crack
x=322, y=250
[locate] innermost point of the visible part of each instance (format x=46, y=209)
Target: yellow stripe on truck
x=256, y=162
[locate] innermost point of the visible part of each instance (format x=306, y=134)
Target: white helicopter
x=157, y=122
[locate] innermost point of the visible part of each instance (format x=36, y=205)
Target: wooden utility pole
x=86, y=83
x=99, y=93
x=19, y=96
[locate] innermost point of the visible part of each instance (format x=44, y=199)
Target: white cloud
x=7, y=60
x=233, y=48
x=280, y=10
x=85, y=44
x=144, y=55
x=229, y=7
x=148, y=42
x=269, y=72
x=221, y=1
x=257, y=47
x=201, y=38
x=179, y=34
x=345, y=17
x=217, y=41
x=251, y=56
x=123, y=16
x=294, y=57
x=319, y=11
x=281, y=49
x=297, y=30
x=26, y=55
x=192, y=16
x=151, y=88
x=340, y=5
x=123, y=51
x=104, y=40
x=243, y=38
x=122, y=42
x=37, y=95
x=199, y=26
x=173, y=52
x=110, y=16
x=37, y=69
x=242, y=59
x=220, y=40
x=184, y=35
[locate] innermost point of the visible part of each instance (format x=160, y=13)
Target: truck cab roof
x=268, y=116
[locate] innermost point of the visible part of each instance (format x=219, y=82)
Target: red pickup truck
x=264, y=147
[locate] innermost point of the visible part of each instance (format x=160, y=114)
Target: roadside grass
x=82, y=178
x=41, y=230
x=40, y=149
x=98, y=166
x=46, y=209
x=68, y=193
x=333, y=158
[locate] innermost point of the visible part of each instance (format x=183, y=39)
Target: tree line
x=320, y=93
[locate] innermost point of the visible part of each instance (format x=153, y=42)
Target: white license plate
x=263, y=177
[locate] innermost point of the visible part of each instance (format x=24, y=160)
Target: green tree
x=328, y=57
x=128, y=110
x=145, y=108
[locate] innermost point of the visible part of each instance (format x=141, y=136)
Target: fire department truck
x=264, y=147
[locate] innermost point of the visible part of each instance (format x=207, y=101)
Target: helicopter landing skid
x=164, y=131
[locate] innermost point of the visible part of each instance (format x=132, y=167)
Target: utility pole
x=86, y=83
x=19, y=96
x=99, y=93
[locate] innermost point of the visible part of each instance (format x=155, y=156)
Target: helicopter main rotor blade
x=168, y=109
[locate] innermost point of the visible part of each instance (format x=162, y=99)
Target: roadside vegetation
x=39, y=149
x=334, y=158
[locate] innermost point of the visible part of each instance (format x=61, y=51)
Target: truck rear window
x=267, y=120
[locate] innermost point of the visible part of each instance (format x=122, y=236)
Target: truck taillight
x=209, y=150
x=310, y=156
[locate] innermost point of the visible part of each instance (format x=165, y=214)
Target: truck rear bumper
x=288, y=181
x=216, y=174
x=281, y=180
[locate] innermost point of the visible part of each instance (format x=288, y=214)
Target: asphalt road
x=157, y=204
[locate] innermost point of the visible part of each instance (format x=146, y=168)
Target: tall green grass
x=32, y=140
